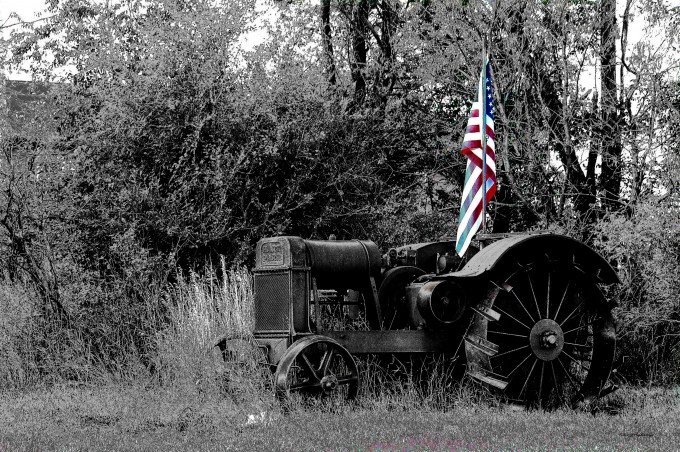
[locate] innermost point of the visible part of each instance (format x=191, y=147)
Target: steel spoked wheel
x=555, y=334
x=316, y=368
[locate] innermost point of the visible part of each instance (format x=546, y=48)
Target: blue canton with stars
x=489, y=95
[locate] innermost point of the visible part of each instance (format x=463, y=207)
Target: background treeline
x=185, y=130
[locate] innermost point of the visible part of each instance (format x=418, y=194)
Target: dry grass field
x=116, y=417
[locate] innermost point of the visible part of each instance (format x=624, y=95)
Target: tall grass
x=203, y=307
x=108, y=337
x=15, y=322
x=201, y=310
x=429, y=381
x=196, y=310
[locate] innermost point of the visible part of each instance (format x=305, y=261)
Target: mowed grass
x=115, y=417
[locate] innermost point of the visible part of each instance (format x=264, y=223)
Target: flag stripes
x=472, y=202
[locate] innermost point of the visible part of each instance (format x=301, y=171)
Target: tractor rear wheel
x=554, y=339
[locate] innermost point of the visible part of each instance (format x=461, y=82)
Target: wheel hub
x=546, y=339
x=329, y=383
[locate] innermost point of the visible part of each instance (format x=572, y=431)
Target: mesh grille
x=272, y=298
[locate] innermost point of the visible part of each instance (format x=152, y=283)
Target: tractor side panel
x=300, y=289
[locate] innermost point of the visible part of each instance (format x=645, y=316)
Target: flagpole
x=482, y=110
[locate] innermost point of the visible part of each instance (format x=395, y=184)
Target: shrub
x=645, y=249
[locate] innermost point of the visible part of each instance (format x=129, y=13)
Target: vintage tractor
x=523, y=312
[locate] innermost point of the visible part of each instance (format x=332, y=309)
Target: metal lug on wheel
x=488, y=313
x=487, y=377
x=488, y=348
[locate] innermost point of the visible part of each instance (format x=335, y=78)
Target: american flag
x=472, y=203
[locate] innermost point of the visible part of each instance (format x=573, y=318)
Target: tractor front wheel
x=316, y=367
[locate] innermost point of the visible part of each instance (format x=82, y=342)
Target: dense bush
x=645, y=248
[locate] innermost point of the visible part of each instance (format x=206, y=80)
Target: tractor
x=523, y=312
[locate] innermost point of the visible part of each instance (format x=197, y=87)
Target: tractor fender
x=488, y=258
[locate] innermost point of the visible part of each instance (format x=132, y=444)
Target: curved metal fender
x=587, y=258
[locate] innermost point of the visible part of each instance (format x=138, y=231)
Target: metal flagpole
x=482, y=111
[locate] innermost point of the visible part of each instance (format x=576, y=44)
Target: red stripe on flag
x=473, y=128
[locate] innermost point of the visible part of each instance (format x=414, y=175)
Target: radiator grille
x=272, y=301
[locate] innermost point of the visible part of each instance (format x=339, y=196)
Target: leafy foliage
x=174, y=140
x=646, y=248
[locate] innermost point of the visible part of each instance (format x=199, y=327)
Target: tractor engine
x=290, y=274
x=412, y=293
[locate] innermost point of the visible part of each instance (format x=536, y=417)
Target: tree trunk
x=359, y=22
x=387, y=28
x=327, y=41
x=610, y=177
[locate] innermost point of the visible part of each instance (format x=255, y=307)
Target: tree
x=29, y=183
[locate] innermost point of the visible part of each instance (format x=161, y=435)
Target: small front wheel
x=317, y=367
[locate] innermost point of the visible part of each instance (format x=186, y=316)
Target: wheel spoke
x=510, y=351
x=572, y=313
x=587, y=368
x=326, y=360
x=571, y=379
x=540, y=384
x=574, y=360
x=309, y=366
x=564, y=295
x=547, y=299
x=575, y=329
x=555, y=384
x=305, y=385
x=517, y=367
x=524, y=336
x=508, y=315
x=523, y=307
x=528, y=377
x=533, y=295
x=578, y=345
x=347, y=379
